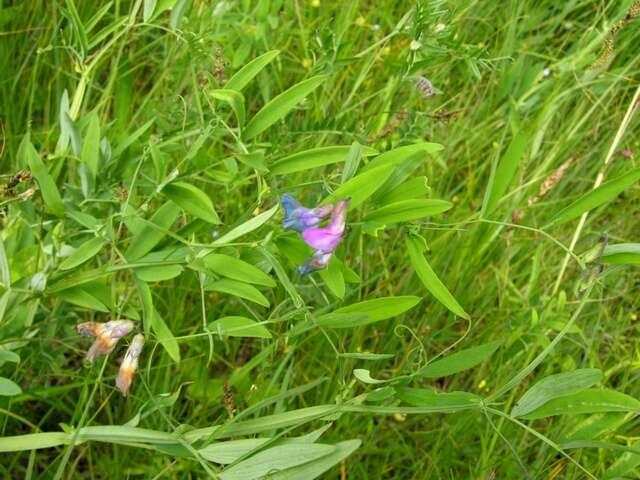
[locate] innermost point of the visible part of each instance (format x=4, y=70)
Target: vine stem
x=599, y=179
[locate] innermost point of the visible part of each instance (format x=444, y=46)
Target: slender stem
x=614, y=145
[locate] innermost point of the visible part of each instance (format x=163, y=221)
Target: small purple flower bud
x=426, y=87
x=317, y=261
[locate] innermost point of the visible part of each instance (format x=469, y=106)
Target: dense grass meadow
x=472, y=167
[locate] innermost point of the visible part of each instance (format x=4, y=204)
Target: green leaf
x=505, y=171
x=158, y=273
x=33, y=441
x=625, y=463
x=429, y=278
x=365, y=377
x=85, y=252
x=399, y=155
x=596, y=197
x=555, y=386
x=235, y=269
x=594, y=400
x=248, y=226
x=148, y=8
x=352, y=161
x=50, y=193
x=278, y=458
x=82, y=298
x=235, y=99
x=5, y=271
x=459, y=361
x=280, y=106
x=361, y=187
x=408, y=210
x=192, y=200
x=367, y=356
x=152, y=234
x=130, y=139
x=333, y=278
x=8, y=356
x=621, y=254
x=8, y=388
x=452, y=401
x=239, y=289
x=239, y=327
x=164, y=336
x=342, y=320
x=91, y=146
x=381, y=308
x=414, y=188
x=72, y=13
x=313, y=469
x=243, y=76
x=316, y=157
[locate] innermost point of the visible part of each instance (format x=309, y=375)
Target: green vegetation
x=479, y=318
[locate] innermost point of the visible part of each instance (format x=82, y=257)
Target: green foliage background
x=489, y=279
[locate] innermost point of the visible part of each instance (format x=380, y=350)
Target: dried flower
x=129, y=364
x=426, y=87
x=107, y=336
x=317, y=261
x=299, y=218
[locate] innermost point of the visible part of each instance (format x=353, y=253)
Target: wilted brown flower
x=107, y=335
x=129, y=364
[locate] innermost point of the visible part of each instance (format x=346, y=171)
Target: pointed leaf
x=596, y=197
x=280, y=106
x=235, y=269
x=361, y=187
x=165, y=337
x=459, y=361
x=316, y=157
x=429, y=278
x=85, y=252
x=555, y=386
x=239, y=289
x=395, y=157
x=235, y=99
x=193, y=200
x=91, y=146
x=594, y=400
x=239, y=327
x=50, y=193
x=408, y=210
x=150, y=236
x=243, y=76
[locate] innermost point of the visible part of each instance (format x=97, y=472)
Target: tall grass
x=478, y=319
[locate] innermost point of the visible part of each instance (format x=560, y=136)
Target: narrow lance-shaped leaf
x=361, y=187
x=243, y=76
x=459, y=361
x=85, y=252
x=316, y=157
x=235, y=326
x=165, y=337
x=280, y=106
x=594, y=400
x=555, y=386
x=50, y=193
x=153, y=231
x=246, y=227
x=395, y=157
x=596, y=197
x=235, y=99
x=193, y=200
x=505, y=171
x=621, y=254
x=235, y=269
x=91, y=147
x=408, y=210
x=429, y=278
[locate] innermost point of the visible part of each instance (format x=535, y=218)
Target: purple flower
x=299, y=218
x=325, y=240
x=426, y=87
